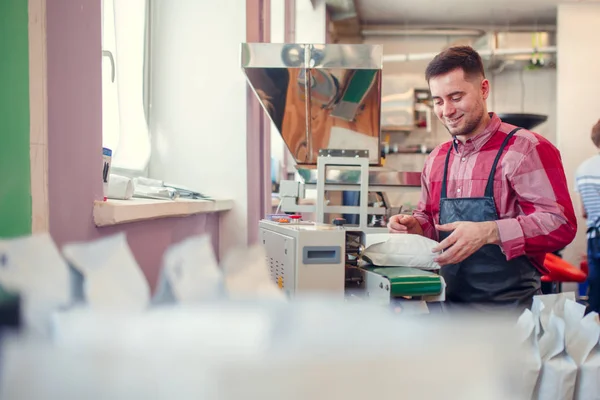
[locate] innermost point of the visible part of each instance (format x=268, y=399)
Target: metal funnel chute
x=526, y=121
x=319, y=96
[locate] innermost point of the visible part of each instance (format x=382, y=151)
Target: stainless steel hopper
x=322, y=97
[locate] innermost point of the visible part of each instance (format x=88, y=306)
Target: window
x=124, y=84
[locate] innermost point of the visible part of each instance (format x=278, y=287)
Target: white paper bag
x=537, y=307
x=112, y=278
x=403, y=250
x=559, y=371
x=552, y=303
x=247, y=275
x=33, y=267
x=531, y=362
x=584, y=349
x=573, y=313
x=190, y=273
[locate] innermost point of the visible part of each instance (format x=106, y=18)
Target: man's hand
x=405, y=224
x=467, y=238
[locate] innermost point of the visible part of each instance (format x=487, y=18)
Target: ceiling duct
x=344, y=25
x=517, y=50
x=341, y=9
x=501, y=50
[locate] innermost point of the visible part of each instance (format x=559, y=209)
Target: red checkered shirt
x=532, y=199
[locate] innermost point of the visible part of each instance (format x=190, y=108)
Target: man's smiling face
x=459, y=101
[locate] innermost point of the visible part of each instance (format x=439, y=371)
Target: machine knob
x=339, y=221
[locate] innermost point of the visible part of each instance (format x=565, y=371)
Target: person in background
x=587, y=184
x=495, y=196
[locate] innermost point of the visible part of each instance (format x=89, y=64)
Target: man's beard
x=469, y=127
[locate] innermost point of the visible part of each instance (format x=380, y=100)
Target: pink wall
x=74, y=117
x=75, y=141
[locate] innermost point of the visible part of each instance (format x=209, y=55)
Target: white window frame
x=125, y=91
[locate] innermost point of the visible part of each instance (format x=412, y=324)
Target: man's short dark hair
x=596, y=134
x=463, y=57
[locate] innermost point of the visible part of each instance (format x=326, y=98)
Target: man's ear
x=485, y=88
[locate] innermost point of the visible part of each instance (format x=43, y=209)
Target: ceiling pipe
x=448, y=30
x=421, y=32
x=391, y=58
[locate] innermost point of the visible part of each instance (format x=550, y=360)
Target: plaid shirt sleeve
x=547, y=222
x=423, y=212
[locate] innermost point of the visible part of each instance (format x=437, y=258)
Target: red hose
x=562, y=271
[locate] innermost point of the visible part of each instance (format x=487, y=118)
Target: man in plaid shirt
x=495, y=196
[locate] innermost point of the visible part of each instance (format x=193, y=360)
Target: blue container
x=351, y=199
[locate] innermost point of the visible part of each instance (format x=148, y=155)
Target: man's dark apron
x=485, y=280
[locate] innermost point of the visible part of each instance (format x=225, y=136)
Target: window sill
x=116, y=212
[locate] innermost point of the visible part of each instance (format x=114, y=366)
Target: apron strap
x=444, y=193
x=489, y=188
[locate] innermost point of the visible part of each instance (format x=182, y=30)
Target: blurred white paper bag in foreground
x=113, y=279
x=583, y=347
x=247, y=275
x=190, y=273
x=33, y=267
x=531, y=362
